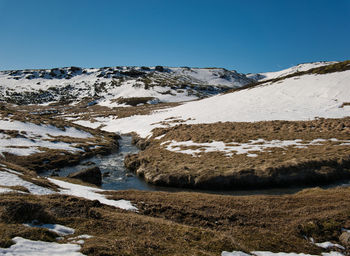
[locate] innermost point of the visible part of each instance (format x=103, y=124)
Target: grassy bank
x=300, y=152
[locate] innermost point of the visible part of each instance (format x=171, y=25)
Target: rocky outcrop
x=90, y=175
x=139, y=142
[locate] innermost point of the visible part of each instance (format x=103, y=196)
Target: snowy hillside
x=31, y=138
x=297, y=98
x=288, y=71
x=159, y=84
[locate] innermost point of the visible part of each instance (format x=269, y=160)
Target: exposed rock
x=139, y=142
x=106, y=174
x=159, y=68
x=91, y=175
x=54, y=174
x=345, y=239
x=131, y=162
x=89, y=163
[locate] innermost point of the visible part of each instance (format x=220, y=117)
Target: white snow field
x=33, y=137
x=298, y=98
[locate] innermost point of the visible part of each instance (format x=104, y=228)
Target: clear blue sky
x=249, y=36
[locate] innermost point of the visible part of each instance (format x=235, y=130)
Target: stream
x=117, y=177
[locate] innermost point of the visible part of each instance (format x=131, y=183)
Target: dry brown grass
x=85, y=112
x=274, y=223
x=276, y=166
x=116, y=232
x=184, y=223
x=119, y=112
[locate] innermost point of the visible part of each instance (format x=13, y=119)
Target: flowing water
x=117, y=177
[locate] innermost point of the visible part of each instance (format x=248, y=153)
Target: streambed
x=117, y=177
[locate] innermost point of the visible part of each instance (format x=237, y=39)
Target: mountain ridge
x=163, y=84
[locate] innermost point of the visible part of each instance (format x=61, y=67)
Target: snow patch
x=59, y=229
x=91, y=194
x=10, y=179
x=32, y=137
x=89, y=124
x=159, y=137
x=6, y=190
x=26, y=247
x=327, y=245
x=239, y=148
x=47, y=131
x=234, y=253
x=81, y=237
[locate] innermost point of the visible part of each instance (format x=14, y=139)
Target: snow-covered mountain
x=298, y=68
x=322, y=93
x=159, y=84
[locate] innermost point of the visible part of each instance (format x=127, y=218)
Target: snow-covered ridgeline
x=163, y=83
x=288, y=71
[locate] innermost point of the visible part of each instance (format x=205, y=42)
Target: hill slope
x=302, y=97
x=158, y=84
x=298, y=68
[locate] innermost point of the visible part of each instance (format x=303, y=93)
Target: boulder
x=132, y=162
x=90, y=175
x=345, y=239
